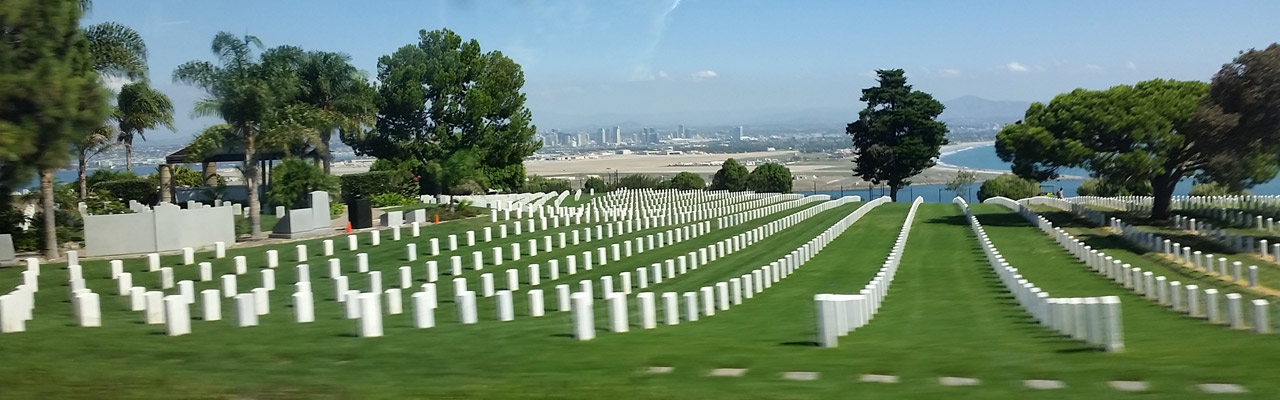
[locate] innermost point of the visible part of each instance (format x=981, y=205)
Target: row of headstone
x=1232, y=240
x=1187, y=256
x=17, y=306
x=839, y=314
x=705, y=302
x=1094, y=320
x=1181, y=298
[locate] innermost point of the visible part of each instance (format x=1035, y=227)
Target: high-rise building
x=739, y=133
x=617, y=135
x=603, y=135
x=680, y=132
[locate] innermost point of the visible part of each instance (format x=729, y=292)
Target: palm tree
x=246, y=92
x=114, y=50
x=341, y=95
x=91, y=145
x=138, y=108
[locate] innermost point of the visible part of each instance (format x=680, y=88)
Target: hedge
x=139, y=189
x=369, y=184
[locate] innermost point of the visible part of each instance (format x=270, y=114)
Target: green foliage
x=770, y=178
x=688, y=181
x=731, y=176
x=637, y=181
x=1109, y=188
x=373, y=183
x=391, y=200
x=102, y=202
x=1240, y=116
x=293, y=179
x=139, y=189
x=336, y=209
x=896, y=136
x=1008, y=185
x=444, y=96
x=139, y=108
x=467, y=187
x=105, y=175
x=537, y=183
x=595, y=183
x=1215, y=189
x=1137, y=139
x=187, y=177
x=961, y=181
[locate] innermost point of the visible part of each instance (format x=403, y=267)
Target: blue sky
x=720, y=61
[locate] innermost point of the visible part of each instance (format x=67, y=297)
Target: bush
x=1215, y=189
x=1008, y=185
x=595, y=183
x=102, y=202
x=731, y=176
x=391, y=200
x=139, y=189
x=336, y=209
x=104, y=175
x=373, y=183
x=688, y=181
x=536, y=183
x=637, y=181
x=293, y=179
x=183, y=176
x=466, y=187
x=1106, y=188
x=770, y=178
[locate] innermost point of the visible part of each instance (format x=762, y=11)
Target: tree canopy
x=896, y=136
x=446, y=103
x=770, y=178
x=731, y=176
x=1128, y=136
x=688, y=181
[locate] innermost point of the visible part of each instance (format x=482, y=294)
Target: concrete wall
x=305, y=222
x=166, y=228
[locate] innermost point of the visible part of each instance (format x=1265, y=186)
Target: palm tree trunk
x=128, y=156
x=326, y=153
x=84, y=187
x=251, y=179
x=46, y=204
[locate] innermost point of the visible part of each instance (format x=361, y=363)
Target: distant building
x=603, y=134
x=617, y=135
x=739, y=137
x=680, y=132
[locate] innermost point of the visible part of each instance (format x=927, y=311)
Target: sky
x=602, y=62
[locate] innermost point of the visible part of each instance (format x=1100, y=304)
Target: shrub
x=466, y=187
x=183, y=176
x=293, y=179
x=373, y=183
x=536, y=183
x=336, y=209
x=1107, y=188
x=102, y=202
x=595, y=183
x=391, y=200
x=688, y=181
x=104, y=175
x=1008, y=185
x=139, y=189
x=637, y=181
x=1215, y=189
x=770, y=178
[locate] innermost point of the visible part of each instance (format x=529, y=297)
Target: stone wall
x=166, y=228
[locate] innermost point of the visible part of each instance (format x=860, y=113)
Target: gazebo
x=209, y=166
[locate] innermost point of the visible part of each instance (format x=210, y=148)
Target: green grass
x=946, y=315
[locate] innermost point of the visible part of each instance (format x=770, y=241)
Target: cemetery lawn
x=946, y=315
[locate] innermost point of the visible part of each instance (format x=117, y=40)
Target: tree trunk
x=128, y=156
x=251, y=180
x=48, y=208
x=84, y=187
x=893, y=192
x=326, y=155
x=1162, y=191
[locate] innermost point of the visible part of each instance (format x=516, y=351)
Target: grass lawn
x=946, y=315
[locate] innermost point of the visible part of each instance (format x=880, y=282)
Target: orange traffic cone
x=348, y=226
x=437, y=219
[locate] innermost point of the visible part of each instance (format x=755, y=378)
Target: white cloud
x=1016, y=67
x=1093, y=67
x=950, y=73
x=705, y=74
x=114, y=83
x=663, y=75
x=1131, y=66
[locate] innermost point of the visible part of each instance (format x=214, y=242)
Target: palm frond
x=117, y=50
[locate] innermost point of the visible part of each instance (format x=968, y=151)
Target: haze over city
x=594, y=64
